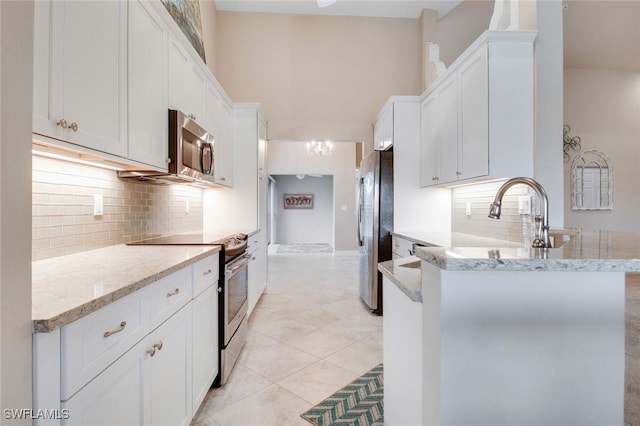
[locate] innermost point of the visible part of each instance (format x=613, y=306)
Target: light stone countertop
x=585, y=251
x=406, y=278
x=604, y=251
x=69, y=287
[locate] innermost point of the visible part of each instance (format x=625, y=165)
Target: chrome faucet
x=542, y=239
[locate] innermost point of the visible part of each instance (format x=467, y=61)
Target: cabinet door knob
x=151, y=351
x=207, y=272
x=173, y=293
x=158, y=345
x=123, y=324
x=458, y=173
x=219, y=289
x=74, y=126
x=62, y=123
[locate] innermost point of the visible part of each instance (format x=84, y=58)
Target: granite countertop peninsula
x=580, y=251
x=405, y=274
x=67, y=288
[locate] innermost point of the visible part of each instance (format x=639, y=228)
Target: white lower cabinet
x=169, y=352
x=402, y=328
x=146, y=359
x=148, y=385
x=257, y=269
x=205, y=344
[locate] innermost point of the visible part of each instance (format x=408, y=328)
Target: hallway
x=308, y=336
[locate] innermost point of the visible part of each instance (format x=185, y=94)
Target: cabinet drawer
x=92, y=343
x=205, y=274
x=402, y=247
x=168, y=295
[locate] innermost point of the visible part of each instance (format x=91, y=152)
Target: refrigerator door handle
x=360, y=199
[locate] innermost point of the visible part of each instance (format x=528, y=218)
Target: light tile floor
x=308, y=336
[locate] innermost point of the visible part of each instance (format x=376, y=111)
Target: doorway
x=302, y=209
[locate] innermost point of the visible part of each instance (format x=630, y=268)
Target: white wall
x=16, y=110
x=548, y=169
x=304, y=226
x=606, y=117
x=290, y=158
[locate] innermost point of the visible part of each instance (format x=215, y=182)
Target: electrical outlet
x=525, y=204
x=98, y=205
x=186, y=206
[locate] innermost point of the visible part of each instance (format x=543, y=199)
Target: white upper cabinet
x=187, y=83
x=477, y=118
x=148, y=101
x=80, y=79
x=218, y=124
x=262, y=147
x=383, y=129
x=429, y=152
x=223, y=148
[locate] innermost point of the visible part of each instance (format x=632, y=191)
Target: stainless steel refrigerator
x=375, y=222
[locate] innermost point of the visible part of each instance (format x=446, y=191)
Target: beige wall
x=460, y=27
x=209, y=14
x=16, y=109
x=317, y=77
x=606, y=117
x=290, y=158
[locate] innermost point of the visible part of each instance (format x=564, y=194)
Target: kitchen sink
x=414, y=264
x=558, y=240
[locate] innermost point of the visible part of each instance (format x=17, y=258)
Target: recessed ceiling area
x=369, y=8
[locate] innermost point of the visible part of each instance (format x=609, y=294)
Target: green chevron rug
x=357, y=404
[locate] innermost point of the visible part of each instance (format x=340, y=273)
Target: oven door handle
x=240, y=263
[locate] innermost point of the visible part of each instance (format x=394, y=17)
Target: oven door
x=235, y=294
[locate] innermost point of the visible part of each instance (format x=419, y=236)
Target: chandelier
x=319, y=149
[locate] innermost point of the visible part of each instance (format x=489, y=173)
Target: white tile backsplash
x=63, y=220
x=511, y=226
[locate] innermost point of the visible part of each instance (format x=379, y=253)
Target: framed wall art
x=298, y=201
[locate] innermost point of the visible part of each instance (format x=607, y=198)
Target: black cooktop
x=178, y=240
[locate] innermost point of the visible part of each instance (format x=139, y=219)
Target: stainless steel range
x=232, y=288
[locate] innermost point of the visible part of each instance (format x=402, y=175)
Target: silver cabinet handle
x=152, y=351
x=62, y=123
x=223, y=178
x=158, y=345
x=173, y=293
x=74, y=126
x=458, y=173
x=219, y=289
x=123, y=324
x=207, y=272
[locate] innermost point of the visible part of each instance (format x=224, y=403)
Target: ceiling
x=370, y=8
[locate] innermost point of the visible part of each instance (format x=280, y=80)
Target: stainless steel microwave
x=190, y=148
x=191, y=155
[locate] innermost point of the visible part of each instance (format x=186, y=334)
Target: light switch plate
x=468, y=208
